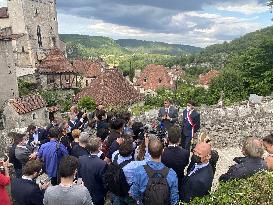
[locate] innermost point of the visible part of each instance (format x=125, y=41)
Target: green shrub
x=87, y=103
x=256, y=190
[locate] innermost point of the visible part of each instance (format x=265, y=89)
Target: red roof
x=27, y=104
x=89, y=69
x=53, y=109
x=111, y=89
x=4, y=12
x=56, y=62
x=205, y=79
x=154, y=77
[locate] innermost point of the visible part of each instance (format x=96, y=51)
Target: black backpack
x=114, y=178
x=157, y=190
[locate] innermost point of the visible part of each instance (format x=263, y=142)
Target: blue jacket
x=186, y=126
x=198, y=184
x=140, y=181
x=26, y=192
x=51, y=153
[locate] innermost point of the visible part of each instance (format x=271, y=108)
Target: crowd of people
x=102, y=156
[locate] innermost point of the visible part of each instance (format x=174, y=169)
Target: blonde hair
x=203, y=137
x=76, y=133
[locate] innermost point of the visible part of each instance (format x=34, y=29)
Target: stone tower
x=8, y=80
x=36, y=22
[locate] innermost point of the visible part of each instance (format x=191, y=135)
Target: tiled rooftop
x=27, y=104
x=111, y=89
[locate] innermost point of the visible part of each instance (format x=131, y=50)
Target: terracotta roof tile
x=55, y=62
x=89, y=69
x=154, y=77
x=27, y=104
x=53, y=109
x=4, y=12
x=111, y=89
x=205, y=79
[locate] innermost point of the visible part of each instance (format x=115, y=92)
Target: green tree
x=256, y=65
x=87, y=103
x=231, y=83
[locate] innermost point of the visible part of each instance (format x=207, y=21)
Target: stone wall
x=8, y=82
x=228, y=126
x=13, y=120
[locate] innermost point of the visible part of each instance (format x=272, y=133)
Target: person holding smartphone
x=4, y=181
x=25, y=190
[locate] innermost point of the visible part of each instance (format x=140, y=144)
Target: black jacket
x=12, y=158
x=176, y=158
x=26, y=192
x=91, y=170
x=42, y=136
x=198, y=184
x=213, y=161
x=245, y=167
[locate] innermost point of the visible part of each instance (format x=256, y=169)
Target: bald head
x=155, y=148
x=203, y=150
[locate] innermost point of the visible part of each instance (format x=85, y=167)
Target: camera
x=159, y=133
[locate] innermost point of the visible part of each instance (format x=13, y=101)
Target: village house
x=205, y=79
x=21, y=112
x=154, y=77
x=56, y=72
x=111, y=88
x=89, y=70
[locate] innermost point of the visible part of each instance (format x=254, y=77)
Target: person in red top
x=4, y=181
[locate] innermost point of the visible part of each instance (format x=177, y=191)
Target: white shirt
x=197, y=167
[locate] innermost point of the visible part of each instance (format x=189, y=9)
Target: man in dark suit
x=190, y=124
x=24, y=190
x=91, y=170
x=174, y=156
x=167, y=115
x=198, y=180
x=37, y=136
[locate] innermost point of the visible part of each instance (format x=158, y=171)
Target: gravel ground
x=226, y=157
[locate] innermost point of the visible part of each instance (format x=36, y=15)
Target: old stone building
x=111, y=89
x=154, y=77
x=36, y=22
x=89, y=70
x=21, y=112
x=8, y=80
x=56, y=72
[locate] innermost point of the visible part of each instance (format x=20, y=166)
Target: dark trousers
x=186, y=142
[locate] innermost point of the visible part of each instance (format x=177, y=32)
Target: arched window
x=34, y=116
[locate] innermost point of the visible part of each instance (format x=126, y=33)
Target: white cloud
x=3, y=3
x=247, y=8
x=221, y=29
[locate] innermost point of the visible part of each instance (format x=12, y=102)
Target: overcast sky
x=193, y=22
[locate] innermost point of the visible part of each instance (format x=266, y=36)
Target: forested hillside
x=157, y=47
